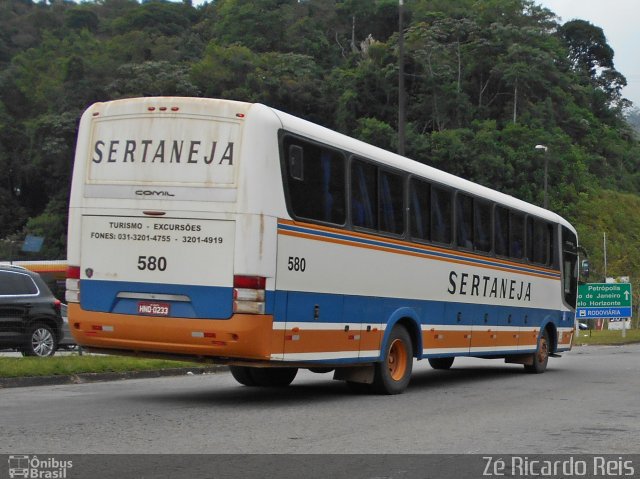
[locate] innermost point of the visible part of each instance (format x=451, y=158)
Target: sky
x=620, y=21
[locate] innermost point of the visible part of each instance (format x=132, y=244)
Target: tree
x=526, y=83
x=591, y=55
x=152, y=78
x=588, y=47
x=259, y=25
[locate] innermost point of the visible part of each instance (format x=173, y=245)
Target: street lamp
x=546, y=168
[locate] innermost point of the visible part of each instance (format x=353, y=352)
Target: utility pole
x=401, y=90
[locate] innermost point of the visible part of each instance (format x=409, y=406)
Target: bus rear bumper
x=245, y=336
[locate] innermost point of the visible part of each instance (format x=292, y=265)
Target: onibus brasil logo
x=33, y=468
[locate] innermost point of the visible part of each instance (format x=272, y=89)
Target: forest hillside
x=486, y=82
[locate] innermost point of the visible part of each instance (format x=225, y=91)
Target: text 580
x=152, y=263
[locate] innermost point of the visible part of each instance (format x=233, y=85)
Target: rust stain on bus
x=261, y=236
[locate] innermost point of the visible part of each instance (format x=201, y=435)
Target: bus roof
x=327, y=136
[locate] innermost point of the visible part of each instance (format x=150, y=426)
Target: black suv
x=30, y=318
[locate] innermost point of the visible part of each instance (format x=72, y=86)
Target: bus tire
x=242, y=374
x=441, y=363
x=393, y=374
x=273, y=377
x=540, y=357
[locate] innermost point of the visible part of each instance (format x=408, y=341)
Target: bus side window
x=569, y=266
x=516, y=235
x=364, y=201
x=481, y=226
x=529, y=241
x=501, y=233
x=420, y=208
x=552, y=247
x=315, y=181
x=391, y=208
x=441, y=215
x=464, y=221
x=296, y=162
x=542, y=253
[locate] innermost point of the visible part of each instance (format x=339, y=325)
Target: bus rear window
x=315, y=178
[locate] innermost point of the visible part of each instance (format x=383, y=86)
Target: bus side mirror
x=296, y=162
x=585, y=268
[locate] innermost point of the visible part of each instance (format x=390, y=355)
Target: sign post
x=604, y=300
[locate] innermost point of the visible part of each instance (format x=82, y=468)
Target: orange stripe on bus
x=445, y=339
x=321, y=341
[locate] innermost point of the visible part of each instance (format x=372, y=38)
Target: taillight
x=56, y=304
x=250, y=282
x=73, y=272
x=249, y=294
x=72, y=294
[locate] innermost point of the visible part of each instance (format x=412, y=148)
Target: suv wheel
x=41, y=341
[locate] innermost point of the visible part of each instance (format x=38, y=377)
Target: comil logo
x=153, y=193
x=35, y=468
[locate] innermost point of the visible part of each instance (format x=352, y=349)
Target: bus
x=233, y=233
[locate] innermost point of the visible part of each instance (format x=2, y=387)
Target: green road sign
x=604, y=300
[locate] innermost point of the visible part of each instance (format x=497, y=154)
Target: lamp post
x=546, y=169
x=401, y=91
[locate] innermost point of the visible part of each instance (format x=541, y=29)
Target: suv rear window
x=16, y=284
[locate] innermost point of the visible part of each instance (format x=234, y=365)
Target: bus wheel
x=273, y=377
x=392, y=375
x=540, y=357
x=242, y=374
x=441, y=363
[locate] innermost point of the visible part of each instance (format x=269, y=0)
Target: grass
x=607, y=337
x=75, y=364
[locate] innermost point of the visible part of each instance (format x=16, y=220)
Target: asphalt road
x=586, y=402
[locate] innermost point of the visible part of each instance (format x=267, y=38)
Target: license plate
x=153, y=309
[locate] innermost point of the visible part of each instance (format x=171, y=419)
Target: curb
x=607, y=344
x=82, y=378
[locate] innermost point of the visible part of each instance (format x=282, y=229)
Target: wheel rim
x=543, y=350
x=397, y=360
x=42, y=342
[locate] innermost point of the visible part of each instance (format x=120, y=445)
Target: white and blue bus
x=234, y=233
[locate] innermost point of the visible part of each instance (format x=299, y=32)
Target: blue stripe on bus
x=293, y=306
x=204, y=301
x=415, y=249
x=303, y=307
